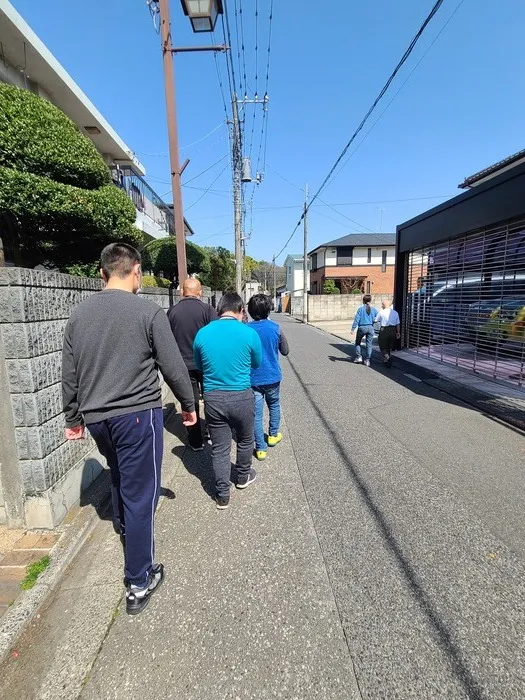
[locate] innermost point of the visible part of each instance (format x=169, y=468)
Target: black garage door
x=464, y=302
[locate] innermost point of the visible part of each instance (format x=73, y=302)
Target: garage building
x=460, y=276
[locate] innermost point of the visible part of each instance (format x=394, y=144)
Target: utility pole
x=237, y=193
x=173, y=138
x=274, y=284
x=305, y=256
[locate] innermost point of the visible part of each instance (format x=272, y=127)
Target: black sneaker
x=138, y=598
x=197, y=448
x=245, y=481
x=223, y=502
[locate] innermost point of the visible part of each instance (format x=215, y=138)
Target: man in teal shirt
x=226, y=351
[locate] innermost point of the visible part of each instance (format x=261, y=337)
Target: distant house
x=294, y=275
x=362, y=262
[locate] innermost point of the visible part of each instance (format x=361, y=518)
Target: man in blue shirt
x=226, y=351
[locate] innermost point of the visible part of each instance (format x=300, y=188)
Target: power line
x=207, y=190
x=381, y=94
x=401, y=87
x=208, y=168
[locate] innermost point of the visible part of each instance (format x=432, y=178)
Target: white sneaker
x=367, y=363
x=358, y=361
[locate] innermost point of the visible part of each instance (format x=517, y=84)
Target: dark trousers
x=132, y=445
x=387, y=340
x=194, y=431
x=227, y=411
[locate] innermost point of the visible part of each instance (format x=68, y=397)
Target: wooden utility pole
x=173, y=138
x=237, y=193
x=305, y=256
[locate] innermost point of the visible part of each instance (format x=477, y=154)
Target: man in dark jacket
x=186, y=319
x=114, y=344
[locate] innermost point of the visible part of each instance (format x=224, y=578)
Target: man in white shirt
x=389, y=330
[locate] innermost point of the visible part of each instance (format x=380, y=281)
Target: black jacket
x=186, y=319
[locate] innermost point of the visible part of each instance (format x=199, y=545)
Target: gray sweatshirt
x=114, y=343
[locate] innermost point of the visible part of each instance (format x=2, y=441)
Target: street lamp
x=202, y=13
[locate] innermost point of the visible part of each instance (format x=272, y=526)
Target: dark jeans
x=194, y=431
x=387, y=340
x=227, y=410
x=368, y=333
x=132, y=445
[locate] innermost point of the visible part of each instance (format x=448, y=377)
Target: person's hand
x=76, y=433
x=189, y=418
x=398, y=336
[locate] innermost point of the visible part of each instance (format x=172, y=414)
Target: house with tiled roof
x=357, y=262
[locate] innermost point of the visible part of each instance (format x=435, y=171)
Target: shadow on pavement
x=443, y=635
x=426, y=383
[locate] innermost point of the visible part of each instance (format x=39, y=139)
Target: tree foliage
x=57, y=203
x=36, y=137
x=160, y=257
x=221, y=274
x=330, y=288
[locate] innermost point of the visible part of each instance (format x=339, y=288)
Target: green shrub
x=160, y=256
x=36, y=137
x=330, y=288
x=152, y=281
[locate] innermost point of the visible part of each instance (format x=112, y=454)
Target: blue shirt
x=363, y=318
x=226, y=351
x=269, y=371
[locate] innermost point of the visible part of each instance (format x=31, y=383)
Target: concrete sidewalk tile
x=46, y=541
x=8, y=592
x=27, y=541
x=10, y=574
x=21, y=558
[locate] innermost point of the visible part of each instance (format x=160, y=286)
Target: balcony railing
x=145, y=199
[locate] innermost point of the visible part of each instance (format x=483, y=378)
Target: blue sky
x=461, y=110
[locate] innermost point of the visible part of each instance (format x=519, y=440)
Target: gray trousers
x=226, y=411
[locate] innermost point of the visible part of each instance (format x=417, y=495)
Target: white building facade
x=295, y=275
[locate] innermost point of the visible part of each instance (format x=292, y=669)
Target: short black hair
x=259, y=306
x=367, y=299
x=230, y=301
x=119, y=259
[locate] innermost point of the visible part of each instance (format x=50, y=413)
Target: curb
x=16, y=619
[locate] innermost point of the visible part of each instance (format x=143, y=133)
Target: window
x=313, y=263
x=368, y=290
x=384, y=254
x=369, y=255
x=344, y=255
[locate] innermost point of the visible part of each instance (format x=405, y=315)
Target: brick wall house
x=362, y=262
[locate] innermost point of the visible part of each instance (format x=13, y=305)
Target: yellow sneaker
x=274, y=440
x=260, y=455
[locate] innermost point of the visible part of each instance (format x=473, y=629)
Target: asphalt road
x=417, y=501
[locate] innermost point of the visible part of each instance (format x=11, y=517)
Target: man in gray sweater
x=114, y=345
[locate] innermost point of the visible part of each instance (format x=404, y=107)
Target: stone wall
x=333, y=307
x=41, y=474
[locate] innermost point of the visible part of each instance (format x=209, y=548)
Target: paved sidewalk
x=246, y=610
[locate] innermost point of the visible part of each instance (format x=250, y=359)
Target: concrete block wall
x=333, y=307
x=41, y=474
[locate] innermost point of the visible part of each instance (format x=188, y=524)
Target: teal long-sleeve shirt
x=226, y=351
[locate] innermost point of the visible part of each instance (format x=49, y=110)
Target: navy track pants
x=132, y=445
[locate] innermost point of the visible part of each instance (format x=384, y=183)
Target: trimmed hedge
x=36, y=137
